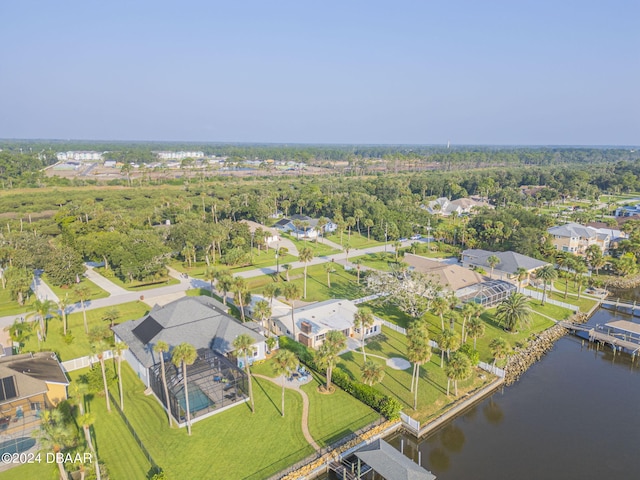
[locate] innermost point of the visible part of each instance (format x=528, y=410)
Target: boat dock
x=619, y=334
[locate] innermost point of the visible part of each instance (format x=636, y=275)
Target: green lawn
x=584, y=304
x=343, y=284
x=80, y=346
x=260, y=260
x=379, y=261
x=319, y=249
x=137, y=286
x=95, y=291
x=8, y=306
x=234, y=444
x=432, y=388
x=355, y=241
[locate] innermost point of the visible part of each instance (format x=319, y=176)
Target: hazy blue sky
x=473, y=72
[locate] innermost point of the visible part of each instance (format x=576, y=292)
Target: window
x=36, y=406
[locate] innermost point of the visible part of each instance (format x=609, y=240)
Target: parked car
x=417, y=236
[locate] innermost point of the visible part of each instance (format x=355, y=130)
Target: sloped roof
x=573, y=230
x=200, y=321
x=253, y=226
x=390, y=463
x=334, y=314
x=509, y=261
x=32, y=372
x=453, y=277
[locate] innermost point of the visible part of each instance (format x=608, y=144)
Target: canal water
x=573, y=415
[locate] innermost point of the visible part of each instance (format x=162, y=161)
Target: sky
x=489, y=72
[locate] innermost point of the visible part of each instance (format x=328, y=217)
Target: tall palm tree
x=243, y=345
x=547, y=274
x=43, y=308
x=291, y=294
x=20, y=332
x=492, y=261
x=418, y=353
x=521, y=274
x=119, y=349
x=241, y=292
x=271, y=291
x=83, y=293
x=98, y=347
x=306, y=255
x=396, y=248
x=565, y=260
x=447, y=341
x=284, y=363
x=78, y=391
x=334, y=343
x=458, y=368
x=358, y=264
x=440, y=306
x=328, y=267
x=225, y=283
x=161, y=348
x=514, y=311
x=63, y=304
x=210, y=275
x=184, y=354
x=362, y=320
x=500, y=349
x=468, y=310
x=372, y=372
x=287, y=268
x=56, y=435
x=262, y=313
x=475, y=329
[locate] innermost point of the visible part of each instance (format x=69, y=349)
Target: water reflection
x=452, y=438
x=492, y=412
x=439, y=460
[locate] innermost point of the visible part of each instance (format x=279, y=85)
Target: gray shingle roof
x=509, y=261
x=200, y=321
x=573, y=230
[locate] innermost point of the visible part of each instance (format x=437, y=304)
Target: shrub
x=470, y=352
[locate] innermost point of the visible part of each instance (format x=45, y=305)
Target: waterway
x=573, y=415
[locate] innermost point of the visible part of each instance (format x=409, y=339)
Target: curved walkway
x=305, y=407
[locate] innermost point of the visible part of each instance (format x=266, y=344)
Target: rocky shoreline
x=624, y=283
x=524, y=358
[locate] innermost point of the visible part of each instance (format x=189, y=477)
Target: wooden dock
x=594, y=335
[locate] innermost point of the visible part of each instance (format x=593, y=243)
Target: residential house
x=628, y=210
x=445, y=207
x=576, y=238
x=451, y=278
x=314, y=321
x=303, y=226
x=29, y=383
x=507, y=267
x=215, y=379
x=272, y=234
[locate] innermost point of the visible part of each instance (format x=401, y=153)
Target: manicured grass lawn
x=234, y=444
x=140, y=286
x=30, y=471
x=432, y=388
x=95, y=291
x=343, y=284
x=10, y=307
x=331, y=417
x=355, y=241
x=584, y=304
x=80, y=345
x=379, y=261
x=264, y=259
x=319, y=249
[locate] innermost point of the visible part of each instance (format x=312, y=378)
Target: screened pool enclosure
x=214, y=382
x=487, y=293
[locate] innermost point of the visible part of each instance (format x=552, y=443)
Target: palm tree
x=20, y=332
x=492, y=261
x=286, y=267
x=241, y=292
x=284, y=363
x=328, y=267
x=362, y=320
x=63, y=304
x=347, y=249
x=368, y=223
x=83, y=293
x=458, y=368
x=440, y=306
x=119, y=349
x=243, y=345
x=475, y=329
x=564, y=259
x=291, y=294
x=499, y=349
x=85, y=419
x=372, y=372
x=521, y=274
x=184, y=354
x=447, y=341
x=334, y=343
x=43, y=308
x=468, y=310
x=56, y=435
x=98, y=346
x=547, y=274
x=271, y=291
x=418, y=352
x=396, y=247
x=514, y=311
x=306, y=255
x=262, y=313
x=111, y=315
x=225, y=283
x=210, y=274
x=161, y=348
x=579, y=269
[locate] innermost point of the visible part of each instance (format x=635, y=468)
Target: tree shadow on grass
x=258, y=382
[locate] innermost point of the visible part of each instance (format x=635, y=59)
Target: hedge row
x=387, y=406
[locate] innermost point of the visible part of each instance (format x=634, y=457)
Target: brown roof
x=32, y=372
x=453, y=277
x=253, y=226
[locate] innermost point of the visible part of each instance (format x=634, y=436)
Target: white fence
x=412, y=423
x=498, y=372
x=83, y=362
x=538, y=296
x=392, y=326
x=366, y=299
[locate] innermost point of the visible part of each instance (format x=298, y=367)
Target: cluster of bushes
x=387, y=406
